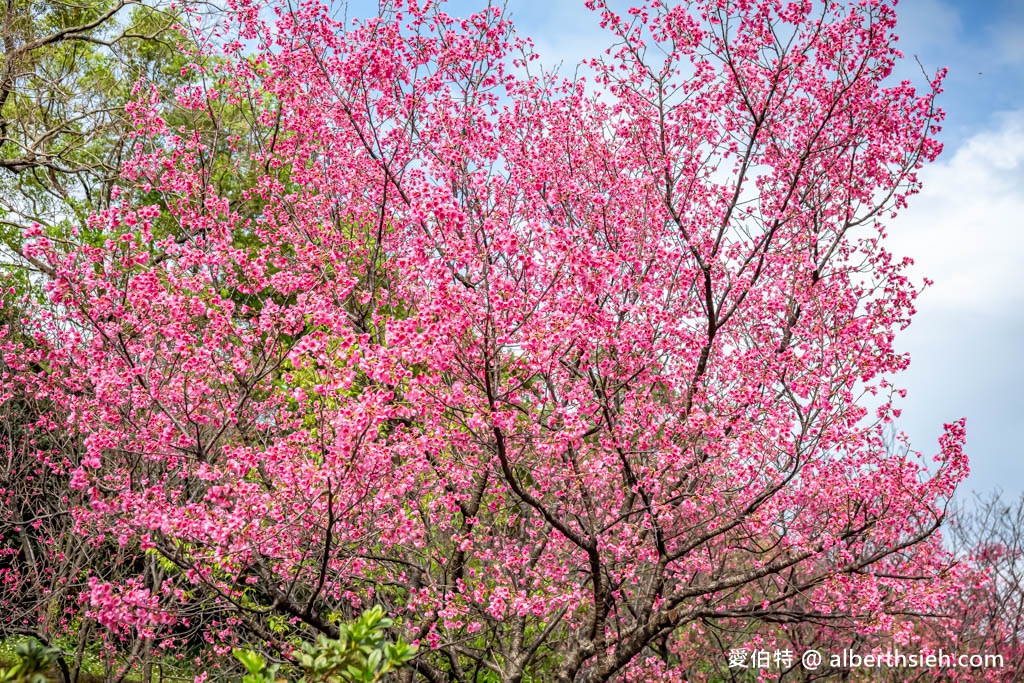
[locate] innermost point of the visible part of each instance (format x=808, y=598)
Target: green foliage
x=34, y=661
x=360, y=654
x=256, y=664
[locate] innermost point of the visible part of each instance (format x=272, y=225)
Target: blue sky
x=981, y=44
x=965, y=230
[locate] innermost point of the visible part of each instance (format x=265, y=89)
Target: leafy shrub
x=360, y=654
x=34, y=662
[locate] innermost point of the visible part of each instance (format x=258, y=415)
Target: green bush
x=360, y=654
x=34, y=661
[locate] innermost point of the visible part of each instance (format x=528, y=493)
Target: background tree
x=67, y=74
x=988, y=615
x=63, y=84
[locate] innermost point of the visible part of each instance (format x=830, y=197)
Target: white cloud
x=965, y=230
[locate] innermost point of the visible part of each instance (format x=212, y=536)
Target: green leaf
x=253, y=661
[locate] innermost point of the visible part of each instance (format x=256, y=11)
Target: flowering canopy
x=562, y=380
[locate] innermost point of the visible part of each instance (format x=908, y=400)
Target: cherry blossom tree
x=564, y=374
